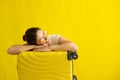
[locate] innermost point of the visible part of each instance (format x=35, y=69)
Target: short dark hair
x=30, y=35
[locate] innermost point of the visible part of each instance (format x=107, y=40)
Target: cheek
x=38, y=42
x=41, y=42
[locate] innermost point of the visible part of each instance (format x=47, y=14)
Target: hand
x=42, y=49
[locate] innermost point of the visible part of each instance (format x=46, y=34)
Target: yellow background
x=94, y=25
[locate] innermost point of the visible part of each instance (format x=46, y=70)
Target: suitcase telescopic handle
x=71, y=56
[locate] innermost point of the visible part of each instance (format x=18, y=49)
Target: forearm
x=66, y=46
x=19, y=48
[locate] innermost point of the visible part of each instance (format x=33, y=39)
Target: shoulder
x=63, y=40
x=54, y=35
x=54, y=38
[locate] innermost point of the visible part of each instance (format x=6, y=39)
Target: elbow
x=12, y=52
x=73, y=47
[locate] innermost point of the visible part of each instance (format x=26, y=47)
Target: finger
x=39, y=47
x=37, y=50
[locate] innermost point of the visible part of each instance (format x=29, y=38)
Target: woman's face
x=42, y=38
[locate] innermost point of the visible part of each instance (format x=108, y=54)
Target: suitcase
x=56, y=65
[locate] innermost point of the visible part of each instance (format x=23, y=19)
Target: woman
x=38, y=40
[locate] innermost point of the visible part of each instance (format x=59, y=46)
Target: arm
x=16, y=49
x=63, y=45
x=66, y=46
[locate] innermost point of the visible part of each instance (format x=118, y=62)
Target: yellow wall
x=92, y=24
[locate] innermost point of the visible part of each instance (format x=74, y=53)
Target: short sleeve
x=54, y=39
